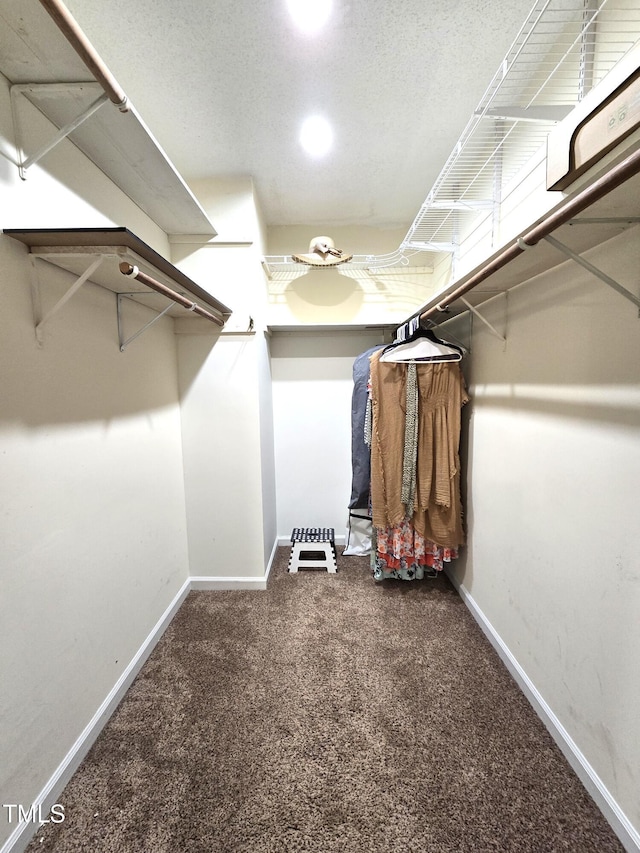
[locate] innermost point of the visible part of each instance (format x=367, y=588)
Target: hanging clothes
x=360, y=455
x=415, y=489
x=359, y=528
x=401, y=552
x=438, y=506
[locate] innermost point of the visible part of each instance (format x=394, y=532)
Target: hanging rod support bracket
x=605, y=220
x=26, y=162
x=35, y=289
x=615, y=285
x=483, y=319
x=524, y=246
x=125, y=343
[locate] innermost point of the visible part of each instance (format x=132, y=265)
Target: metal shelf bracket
x=615, y=285
x=21, y=89
x=40, y=320
x=120, y=297
x=484, y=320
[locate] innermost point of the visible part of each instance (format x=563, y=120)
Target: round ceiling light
x=316, y=136
x=310, y=15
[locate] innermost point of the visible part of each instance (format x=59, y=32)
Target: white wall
x=92, y=527
x=312, y=390
x=553, y=473
x=225, y=387
x=222, y=448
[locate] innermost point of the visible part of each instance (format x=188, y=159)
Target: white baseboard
x=222, y=583
x=48, y=796
x=621, y=825
x=271, y=559
x=231, y=582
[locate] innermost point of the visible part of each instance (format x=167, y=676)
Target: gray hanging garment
x=360, y=453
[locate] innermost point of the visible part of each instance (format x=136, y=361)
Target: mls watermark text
x=18, y=813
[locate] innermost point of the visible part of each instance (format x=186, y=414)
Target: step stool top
x=313, y=534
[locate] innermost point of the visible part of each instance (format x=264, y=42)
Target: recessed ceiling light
x=310, y=15
x=316, y=136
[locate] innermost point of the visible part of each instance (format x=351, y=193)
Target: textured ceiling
x=224, y=88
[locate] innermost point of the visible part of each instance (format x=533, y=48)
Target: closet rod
x=134, y=272
x=83, y=47
x=573, y=205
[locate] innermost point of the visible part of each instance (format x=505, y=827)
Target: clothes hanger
x=423, y=347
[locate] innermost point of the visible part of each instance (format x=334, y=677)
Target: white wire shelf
x=563, y=50
x=284, y=268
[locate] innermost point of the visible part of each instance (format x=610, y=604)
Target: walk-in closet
x=319, y=443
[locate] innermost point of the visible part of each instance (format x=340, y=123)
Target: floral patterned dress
x=401, y=552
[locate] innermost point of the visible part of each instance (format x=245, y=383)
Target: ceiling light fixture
x=310, y=15
x=316, y=136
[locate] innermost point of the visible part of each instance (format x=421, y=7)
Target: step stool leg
x=294, y=557
x=332, y=566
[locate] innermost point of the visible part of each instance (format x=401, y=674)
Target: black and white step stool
x=313, y=548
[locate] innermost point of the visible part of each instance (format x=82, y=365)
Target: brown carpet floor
x=326, y=714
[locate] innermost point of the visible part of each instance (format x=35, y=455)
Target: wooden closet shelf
x=71, y=248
